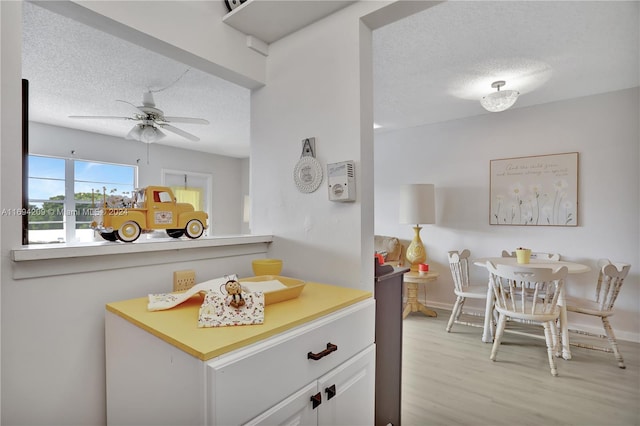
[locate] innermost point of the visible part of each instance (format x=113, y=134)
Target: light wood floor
x=448, y=379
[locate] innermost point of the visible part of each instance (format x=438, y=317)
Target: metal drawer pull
x=316, y=400
x=331, y=391
x=330, y=348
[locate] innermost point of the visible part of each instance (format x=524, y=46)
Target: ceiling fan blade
x=100, y=117
x=138, y=110
x=186, y=120
x=177, y=131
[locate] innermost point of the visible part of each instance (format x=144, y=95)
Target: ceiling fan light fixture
x=145, y=133
x=134, y=133
x=499, y=100
x=151, y=134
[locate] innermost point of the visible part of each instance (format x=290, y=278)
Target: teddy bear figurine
x=234, y=289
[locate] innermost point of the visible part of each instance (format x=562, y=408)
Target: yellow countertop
x=179, y=326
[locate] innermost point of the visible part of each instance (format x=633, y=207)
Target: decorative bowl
x=289, y=288
x=266, y=266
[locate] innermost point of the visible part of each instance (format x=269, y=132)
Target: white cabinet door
x=348, y=392
x=248, y=382
x=346, y=396
x=295, y=410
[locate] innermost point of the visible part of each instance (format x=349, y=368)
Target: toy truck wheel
x=175, y=233
x=194, y=228
x=128, y=232
x=109, y=236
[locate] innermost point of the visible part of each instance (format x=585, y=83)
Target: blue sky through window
x=96, y=176
x=47, y=177
x=101, y=172
x=46, y=167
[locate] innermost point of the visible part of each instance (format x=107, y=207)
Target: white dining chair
x=610, y=280
x=545, y=256
x=463, y=289
x=512, y=286
x=534, y=255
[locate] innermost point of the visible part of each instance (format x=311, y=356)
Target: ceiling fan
x=150, y=121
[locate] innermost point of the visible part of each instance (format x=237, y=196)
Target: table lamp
x=417, y=206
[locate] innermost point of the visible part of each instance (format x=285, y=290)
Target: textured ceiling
x=431, y=67
x=74, y=69
x=435, y=66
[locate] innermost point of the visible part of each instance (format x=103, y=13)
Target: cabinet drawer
x=245, y=383
x=346, y=396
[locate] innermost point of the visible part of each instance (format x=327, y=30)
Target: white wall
x=245, y=165
x=10, y=132
x=455, y=156
x=227, y=173
x=319, y=84
x=53, y=327
x=313, y=90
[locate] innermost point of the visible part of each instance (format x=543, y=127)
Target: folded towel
x=162, y=301
x=216, y=310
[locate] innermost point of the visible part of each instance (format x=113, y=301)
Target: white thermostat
x=342, y=181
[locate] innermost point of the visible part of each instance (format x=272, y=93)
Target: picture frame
x=537, y=190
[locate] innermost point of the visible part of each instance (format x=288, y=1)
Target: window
x=189, y=187
x=64, y=192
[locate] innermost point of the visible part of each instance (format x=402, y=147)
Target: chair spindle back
x=610, y=280
x=526, y=290
x=459, y=264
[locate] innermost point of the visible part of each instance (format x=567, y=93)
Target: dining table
x=572, y=267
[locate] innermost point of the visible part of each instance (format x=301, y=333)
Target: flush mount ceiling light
x=499, y=100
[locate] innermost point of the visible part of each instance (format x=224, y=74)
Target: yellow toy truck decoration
x=150, y=208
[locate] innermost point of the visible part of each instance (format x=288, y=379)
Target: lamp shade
x=151, y=134
x=417, y=204
x=499, y=101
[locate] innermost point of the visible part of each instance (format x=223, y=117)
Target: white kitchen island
x=164, y=370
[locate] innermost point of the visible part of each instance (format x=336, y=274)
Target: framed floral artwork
x=534, y=191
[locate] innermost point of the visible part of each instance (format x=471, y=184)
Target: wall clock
x=307, y=174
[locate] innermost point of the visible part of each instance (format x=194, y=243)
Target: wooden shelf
x=270, y=20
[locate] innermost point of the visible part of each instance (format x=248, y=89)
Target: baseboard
x=626, y=336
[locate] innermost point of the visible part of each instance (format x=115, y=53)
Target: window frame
x=69, y=204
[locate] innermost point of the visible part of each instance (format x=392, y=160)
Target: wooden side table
x=413, y=279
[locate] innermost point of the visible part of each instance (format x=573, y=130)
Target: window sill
x=61, y=259
x=101, y=248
